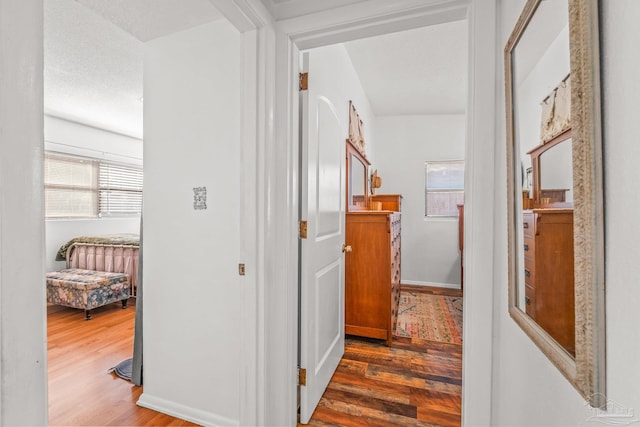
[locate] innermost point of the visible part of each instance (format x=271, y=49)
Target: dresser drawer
x=529, y=274
x=529, y=247
x=530, y=301
x=528, y=224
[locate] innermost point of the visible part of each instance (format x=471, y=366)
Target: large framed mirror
x=555, y=219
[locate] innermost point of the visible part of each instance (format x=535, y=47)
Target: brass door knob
x=346, y=248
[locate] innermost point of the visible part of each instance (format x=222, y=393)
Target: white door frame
x=23, y=332
x=281, y=178
x=252, y=19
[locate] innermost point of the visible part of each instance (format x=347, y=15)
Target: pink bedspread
x=117, y=259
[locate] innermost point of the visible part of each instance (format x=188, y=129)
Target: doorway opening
x=94, y=109
x=410, y=89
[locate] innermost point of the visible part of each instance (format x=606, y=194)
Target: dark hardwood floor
x=411, y=383
x=81, y=392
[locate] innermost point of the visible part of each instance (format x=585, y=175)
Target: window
x=120, y=189
x=77, y=187
x=444, y=188
x=70, y=187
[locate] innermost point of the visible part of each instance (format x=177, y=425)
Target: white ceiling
x=93, y=59
x=150, y=19
x=93, y=55
x=421, y=71
x=92, y=69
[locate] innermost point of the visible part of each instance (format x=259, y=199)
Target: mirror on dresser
x=357, y=182
x=552, y=178
x=556, y=252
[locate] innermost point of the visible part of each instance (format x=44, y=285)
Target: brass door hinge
x=302, y=376
x=241, y=269
x=304, y=81
x=302, y=229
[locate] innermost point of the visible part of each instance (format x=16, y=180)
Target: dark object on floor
x=123, y=369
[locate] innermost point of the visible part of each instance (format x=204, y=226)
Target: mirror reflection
x=357, y=181
x=542, y=141
x=556, y=175
x=555, y=191
x=548, y=256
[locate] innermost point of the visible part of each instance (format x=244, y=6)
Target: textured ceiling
x=93, y=59
x=92, y=69
x=421, y=71
x=150, y=19
x=93, y=55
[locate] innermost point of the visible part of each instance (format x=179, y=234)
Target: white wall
x=531, y=89
x=527, y=389
x=621, y=154
x=333, y=62
x=192, y=299
x=430, y=253
x=67, y=137
x=82, y=140
x=23, y=353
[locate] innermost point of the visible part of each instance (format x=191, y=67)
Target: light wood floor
x=81, y=392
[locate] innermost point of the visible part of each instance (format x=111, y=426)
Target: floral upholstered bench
x=86, y=289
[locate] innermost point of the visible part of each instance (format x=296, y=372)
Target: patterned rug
x=430, y=317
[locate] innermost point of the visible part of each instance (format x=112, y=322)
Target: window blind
x=120, y=189
x=70, y=187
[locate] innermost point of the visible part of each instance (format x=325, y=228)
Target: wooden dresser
x=548, y=272
x=372, y=279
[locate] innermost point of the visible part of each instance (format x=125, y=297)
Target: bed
x=117, y=253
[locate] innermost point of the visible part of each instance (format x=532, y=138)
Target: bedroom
x=455, y=132
x=92, y=130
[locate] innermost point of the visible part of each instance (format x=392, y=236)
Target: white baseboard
x=183, y=412
x=432, y=284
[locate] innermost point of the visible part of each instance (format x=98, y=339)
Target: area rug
x=430, y=317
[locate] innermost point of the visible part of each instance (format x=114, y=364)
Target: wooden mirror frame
x=536, y=175
x=352, y=151
x=587, y=371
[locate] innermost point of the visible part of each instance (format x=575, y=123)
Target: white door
x=322, y=263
